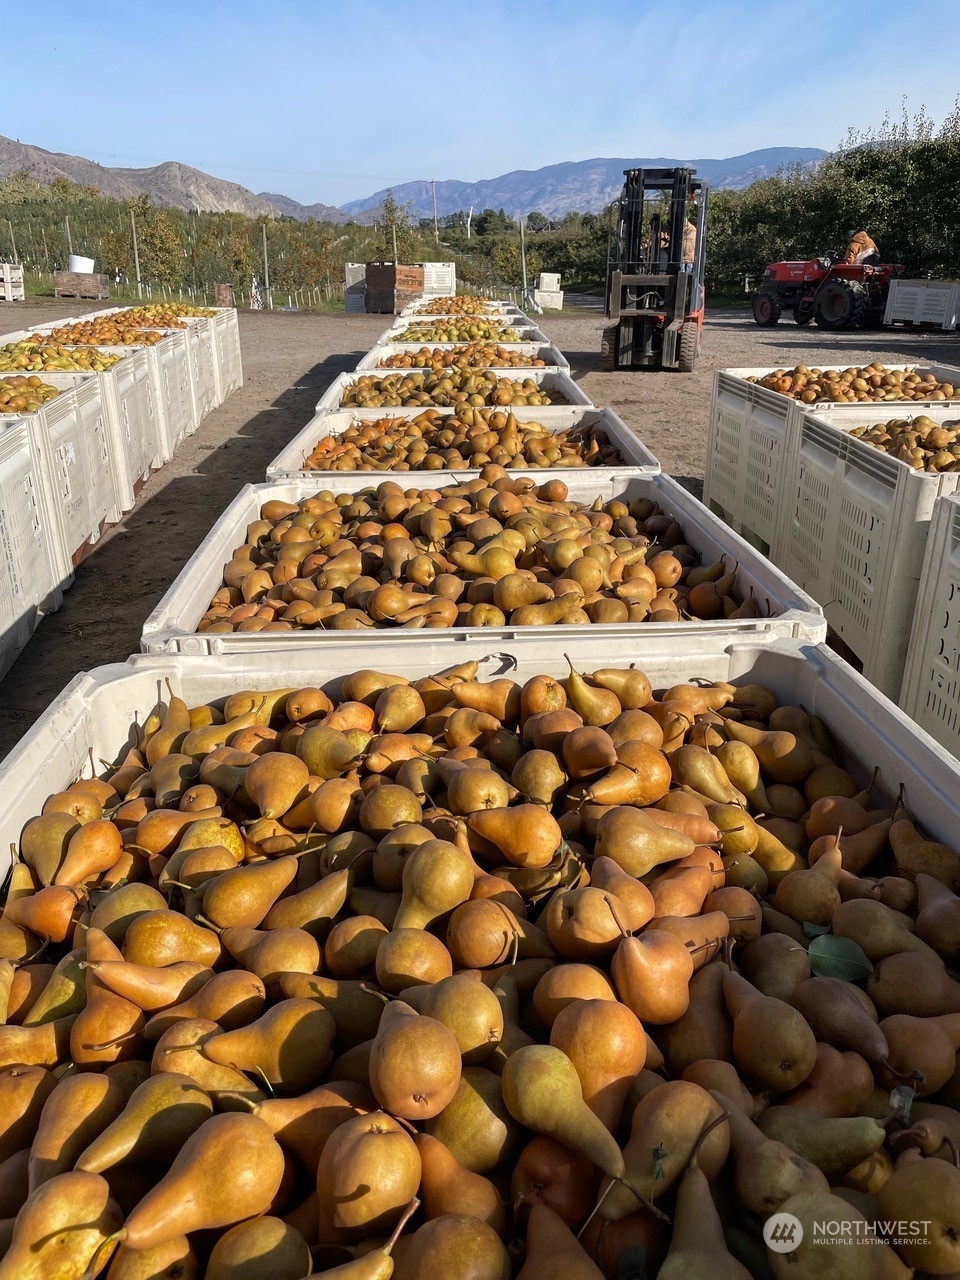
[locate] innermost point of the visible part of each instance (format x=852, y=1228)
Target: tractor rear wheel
x=766, y=310
x=841, y=304
x=608, y=348
x=689, y=347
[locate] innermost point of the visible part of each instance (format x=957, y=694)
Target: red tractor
x=827, y=290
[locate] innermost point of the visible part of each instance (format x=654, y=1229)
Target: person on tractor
x=861, y=250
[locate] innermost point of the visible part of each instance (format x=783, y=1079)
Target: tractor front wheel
x=766, y=310
x=841, y=304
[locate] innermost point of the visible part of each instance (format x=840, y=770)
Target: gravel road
x=289, y=359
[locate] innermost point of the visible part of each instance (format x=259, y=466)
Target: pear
x=45, y=1045
x=698, y=1250
x=414, y=1063
x=117, y=910
x=455, y=1244
x=80, y=1107
x=834, y=1144
x=908, y=982
x=839, y=1085
x=447, y=1187
x=325, y=751
x=352, y=944
x=664, y=1132
x=44, y=842
x=466, y=1007
x=94, y=848
x=702, y=1031
x=635, y=902
x=229, y=1169
x=167, y=937
x=475, y=1126
x=766, y=1172
x=271, y=952
x=264, y=1246
x=924, y=1047
x=63, y=994
x=631, y=686
x=597, y=705
x=437, y=876
x=772, y=1042
x=303, y=1124
x=275, y=782
x=776, y=965
x=369, y=1170
x=915, y=855
x=553, y=1250
x=23, y=1092
x=812, y=895
x=355, y=1010
x=241, y=898
x=878, y=930
x=288, y=1046
x=542, y=1090
x=817, y=1258
x=637, y=843
x=938, y=916
x=740, y=764
x=652, y=975
x=157, y=1118
x=538, y=777
x=834, y=1013
x=148, y=987
x=783, y=756
x=67, y=1226
x=926, y=1191
x=695, y=767
x=174, y=1260
x=179, y=1052
x=606, y=1044
x=172, y=729
x=231, y=998
x=312, y=909
x=526, y=834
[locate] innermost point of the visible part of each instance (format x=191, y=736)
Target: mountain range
x=585, y=186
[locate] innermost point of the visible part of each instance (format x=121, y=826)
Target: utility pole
x=136, y=254
x=523, y=255
x=394, y=230
x=436, y=225
x=13, y=242
x=69, y=237
x=469, y=220
x=266, y=267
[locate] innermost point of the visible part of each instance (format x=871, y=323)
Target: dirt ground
x=288, y=360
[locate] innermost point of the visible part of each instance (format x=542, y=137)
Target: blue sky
x=331, y=100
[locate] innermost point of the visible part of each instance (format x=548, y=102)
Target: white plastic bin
x=204, y=371
x=289, y=463
x=97, y=709
x=854, y=529
x=551, y=356
x=79, y=461
x=527, y=331
x=32, y=554
x=931, y=680
x=923, y=302
x=171, y=627
x=559, y=382
x=226, y=344
x=749, y=440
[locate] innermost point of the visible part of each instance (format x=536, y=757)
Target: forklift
x=654, y=299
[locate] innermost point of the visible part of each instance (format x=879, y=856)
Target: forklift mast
x=654, y=300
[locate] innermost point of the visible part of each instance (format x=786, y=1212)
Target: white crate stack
x=933, y=303
x=548, y=295
x=11, y=282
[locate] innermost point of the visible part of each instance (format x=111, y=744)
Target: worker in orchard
x=861, y=250
x=689, y=244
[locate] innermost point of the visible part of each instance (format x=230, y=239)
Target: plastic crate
x=750, y=436
x=171, y=627
x=133, y=413
x=923, y=302
x=853, y=533
x=931, y=682
x=226, y=343
x=11, y=282
x=560, y=382
x=204, y=371
x=288, y=464
x=551, y=356
x=32, y=554
x=98, y=708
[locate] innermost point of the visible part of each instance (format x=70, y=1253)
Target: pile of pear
x=463, y=304
x=472, y=329
x=474, y=355
x=159, y=314
x=445, y=387
x=104, y=331
x=435, y=441
x=25, y=393
x=477, y=978
x=47, y=357
x=922, y=443
x=856, y=385
x=487, y=552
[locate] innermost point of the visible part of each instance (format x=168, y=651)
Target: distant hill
x=585, y=186
x=294, y=209
x=170, y=183
x=575, y=185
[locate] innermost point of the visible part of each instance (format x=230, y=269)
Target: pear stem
x=208, y=924
x=373, y=991
x=408, y=1213
x=595, y=1209
x=705, y=1133
x=647, y=1204
x=611, y=904
x=97, y=1262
